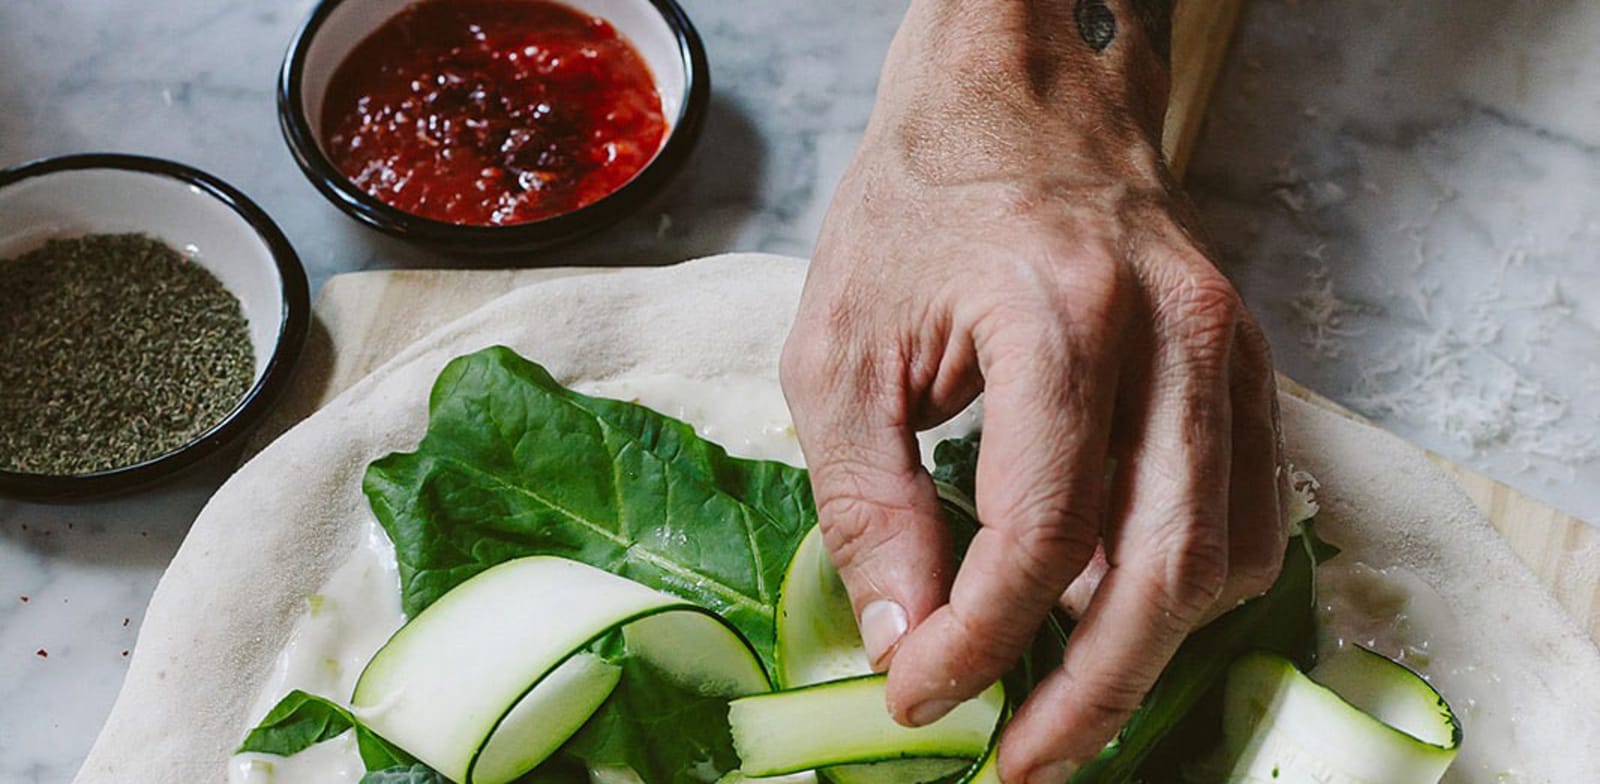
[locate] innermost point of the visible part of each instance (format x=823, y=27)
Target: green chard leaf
x=955, y=463
x=556, y=771
x=559, y=769
x=300, y=721
x=665, y=732
x=405, y=774
x=514, y=464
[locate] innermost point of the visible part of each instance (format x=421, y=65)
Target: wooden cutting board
x=364, y=318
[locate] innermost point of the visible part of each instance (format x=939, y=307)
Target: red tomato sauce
x=492, y=112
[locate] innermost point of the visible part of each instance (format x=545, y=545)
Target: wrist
x=1018, y=78
x=1055, y=45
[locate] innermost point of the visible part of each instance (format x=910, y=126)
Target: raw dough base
x=289, y=517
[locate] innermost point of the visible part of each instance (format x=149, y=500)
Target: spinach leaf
x=555, y=771
x=558, y=769
x=514, y=464
x=955, y=463
x=407, y=774
x=664, y=731
x=300, y=721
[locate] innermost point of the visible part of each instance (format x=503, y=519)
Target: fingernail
x=1053, y=773
x=931, y=711
x=883, y=622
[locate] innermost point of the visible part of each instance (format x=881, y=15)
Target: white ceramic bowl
x=658, y=29
x=201, y=216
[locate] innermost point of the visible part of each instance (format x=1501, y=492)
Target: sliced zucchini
x=818, y=641
x=738, y=777
x=900, y=771
x=492, y=678
x=817, y=636
x=843, y=722
x=1356, y=718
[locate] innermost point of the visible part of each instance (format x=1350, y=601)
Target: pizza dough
x=290, y=517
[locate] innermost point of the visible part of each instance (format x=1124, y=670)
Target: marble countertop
x=1408, y=195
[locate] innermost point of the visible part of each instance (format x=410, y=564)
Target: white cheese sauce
x=1396, y=613
x=350, y=617
x=344, y=624
x=1391, y=611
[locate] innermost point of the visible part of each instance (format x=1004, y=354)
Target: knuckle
x=820, y=367
x=797, y=364
x=1094, y=290
x=826, y=336
x=816, y=356
x=1255, y=565
x=989, y=647
x=1109, y=700
x=1048, y=540
x=860, y=502
x=1050, y=277
x=1023, y=198
x=852, y=527
x=1057, y=524
x=1052, y=539
x=1254, y=577
x=1191, y=571
x=1204, y=310
x=1254, y=349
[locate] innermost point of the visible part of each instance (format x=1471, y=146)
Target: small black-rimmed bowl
x=207, y=220
x=658, y=29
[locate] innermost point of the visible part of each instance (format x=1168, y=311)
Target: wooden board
x=1201, y=30
x=364, y=318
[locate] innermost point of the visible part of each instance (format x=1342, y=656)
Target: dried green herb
x=114, y=349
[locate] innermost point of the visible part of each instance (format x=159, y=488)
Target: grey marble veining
x=1406, y=193
x=1409, y=197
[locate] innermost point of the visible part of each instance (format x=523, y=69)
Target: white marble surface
x=1409, y=197
x=1428, y=173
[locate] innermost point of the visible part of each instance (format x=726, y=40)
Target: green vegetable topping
x=300, y=721
x=514, y=464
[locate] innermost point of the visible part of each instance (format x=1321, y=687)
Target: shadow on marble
x=310, y=383
x=143, y=529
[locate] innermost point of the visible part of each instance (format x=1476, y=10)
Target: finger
x=1167, y=552
x=1039, y=495
x=878, y=509
x=1256, y=533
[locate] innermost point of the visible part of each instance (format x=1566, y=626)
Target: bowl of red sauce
x=492, y=126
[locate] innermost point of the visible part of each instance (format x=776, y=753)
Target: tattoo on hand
x=1097, y=25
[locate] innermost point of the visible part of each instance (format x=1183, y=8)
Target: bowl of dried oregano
x=150, y=314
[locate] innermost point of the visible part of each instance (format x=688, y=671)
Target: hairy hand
x=1052, y=269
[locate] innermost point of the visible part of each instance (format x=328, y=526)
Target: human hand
x=987, y=242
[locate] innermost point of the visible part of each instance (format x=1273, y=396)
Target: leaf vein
x=629, y=547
